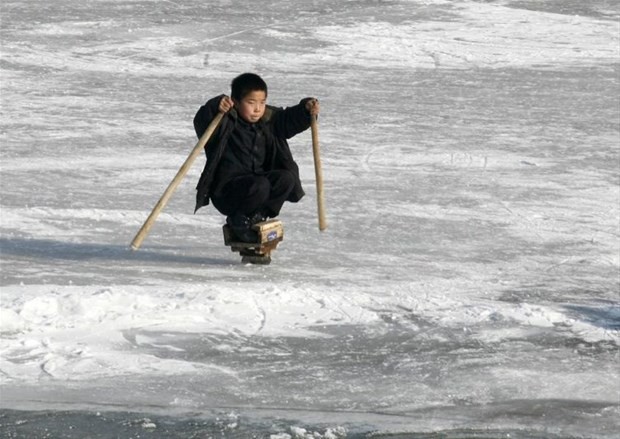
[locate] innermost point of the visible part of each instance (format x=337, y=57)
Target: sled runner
x=270, y=233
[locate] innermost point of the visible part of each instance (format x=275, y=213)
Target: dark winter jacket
x=277, y=124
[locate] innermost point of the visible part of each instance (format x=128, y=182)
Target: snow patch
x=516, y=38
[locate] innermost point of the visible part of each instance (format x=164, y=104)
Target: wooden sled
x=270, y=233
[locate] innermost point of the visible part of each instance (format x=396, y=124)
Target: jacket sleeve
x=292, y=120
x=205, y=115
x=203, y=118
x=287, y=123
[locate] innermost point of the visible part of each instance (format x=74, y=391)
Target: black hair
x=246, y=83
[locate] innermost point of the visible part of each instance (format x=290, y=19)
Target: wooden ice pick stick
x=144, y=230
x=319, y=173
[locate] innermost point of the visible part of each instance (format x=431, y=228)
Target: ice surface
x=468, y=283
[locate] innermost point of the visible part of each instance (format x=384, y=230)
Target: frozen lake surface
x=468, y=283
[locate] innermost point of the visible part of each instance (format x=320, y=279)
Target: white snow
x=476, y=35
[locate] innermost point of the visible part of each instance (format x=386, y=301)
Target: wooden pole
x=144, y=230
x=319, y=174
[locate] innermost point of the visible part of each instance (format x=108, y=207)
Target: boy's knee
x=286, y=178
x=262, y=186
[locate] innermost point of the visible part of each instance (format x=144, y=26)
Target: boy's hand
x=226, y=103
x=313, y=107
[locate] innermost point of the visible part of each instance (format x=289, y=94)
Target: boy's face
x=252, y=107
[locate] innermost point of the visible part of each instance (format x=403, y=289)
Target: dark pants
x=251, y=193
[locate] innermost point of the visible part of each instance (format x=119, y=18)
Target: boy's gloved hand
x=313, y=106
x=226, y=103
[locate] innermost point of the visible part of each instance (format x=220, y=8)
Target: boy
x=250, y=171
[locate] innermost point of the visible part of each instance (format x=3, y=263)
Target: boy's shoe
x=258, y=217
x=242, y=228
